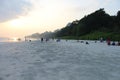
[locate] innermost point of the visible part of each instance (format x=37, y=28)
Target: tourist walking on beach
x=108, y=41
x=101, y=39
x=41, y=39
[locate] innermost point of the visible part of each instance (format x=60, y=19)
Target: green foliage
x=92, y=26
x=98, y=35
x=69, y=37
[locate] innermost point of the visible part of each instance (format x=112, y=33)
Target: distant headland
x=91, y=27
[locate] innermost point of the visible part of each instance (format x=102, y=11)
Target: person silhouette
x=87, y=43
x=113, y=43
x=41, y=39
x=108, y=41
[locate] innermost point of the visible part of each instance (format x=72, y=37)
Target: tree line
x=98, y=21
x=92, y=26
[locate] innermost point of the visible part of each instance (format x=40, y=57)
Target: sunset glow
x=15, y=39
x=16, y=23
x=47, y=15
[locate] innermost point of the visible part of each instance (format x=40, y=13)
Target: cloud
x=10, y=9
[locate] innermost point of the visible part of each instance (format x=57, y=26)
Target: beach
x=64, y=60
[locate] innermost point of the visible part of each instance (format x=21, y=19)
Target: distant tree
x=96, y=21
x=118, y=17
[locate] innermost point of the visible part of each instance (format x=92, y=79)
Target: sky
x=19, y=18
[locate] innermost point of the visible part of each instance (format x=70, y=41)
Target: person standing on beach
x=41, y=39
x=108, y=41
x=101, y=39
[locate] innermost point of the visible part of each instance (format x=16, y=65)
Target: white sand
x=59, y=61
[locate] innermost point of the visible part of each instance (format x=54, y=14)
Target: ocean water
x=63, y=60
x=4, y=39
